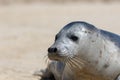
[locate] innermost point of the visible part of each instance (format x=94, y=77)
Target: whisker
x=79, y=61
x=75, y=62
x=65, y=60
x=46, y=59
x=69, y=65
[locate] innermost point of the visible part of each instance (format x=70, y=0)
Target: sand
x=26, y=31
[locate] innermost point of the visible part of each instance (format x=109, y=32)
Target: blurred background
x=28, y=27
x=53, y=1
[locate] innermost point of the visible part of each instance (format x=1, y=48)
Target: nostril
x=49, y=50
x=55, y=49
x=52, y=50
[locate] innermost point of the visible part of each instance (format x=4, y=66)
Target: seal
x=83, y=52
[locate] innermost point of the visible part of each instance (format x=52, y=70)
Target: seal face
x=83, y=52
x=69, y=40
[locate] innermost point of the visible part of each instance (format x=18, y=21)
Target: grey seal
x=83, y=52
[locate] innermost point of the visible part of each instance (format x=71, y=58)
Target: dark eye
x=56, y=37
x=73, y=38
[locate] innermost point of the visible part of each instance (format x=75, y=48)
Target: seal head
x=70, y=40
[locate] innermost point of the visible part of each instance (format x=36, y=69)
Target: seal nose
x=52, y=50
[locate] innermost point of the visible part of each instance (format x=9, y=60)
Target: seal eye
x=56, y=37
x=73, y=38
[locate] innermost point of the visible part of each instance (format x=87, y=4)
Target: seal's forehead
x=70, y=25
x=79, y=25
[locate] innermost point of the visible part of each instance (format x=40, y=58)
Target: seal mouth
x=55, y=56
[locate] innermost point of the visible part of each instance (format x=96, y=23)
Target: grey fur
x=84, y=52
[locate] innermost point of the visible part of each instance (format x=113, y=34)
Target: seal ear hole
x=74, y=38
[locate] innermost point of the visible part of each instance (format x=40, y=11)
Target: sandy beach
x=26, y=31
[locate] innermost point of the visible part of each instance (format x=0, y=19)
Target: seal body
x=83, y=52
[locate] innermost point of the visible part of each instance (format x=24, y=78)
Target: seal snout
x=53, y=53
